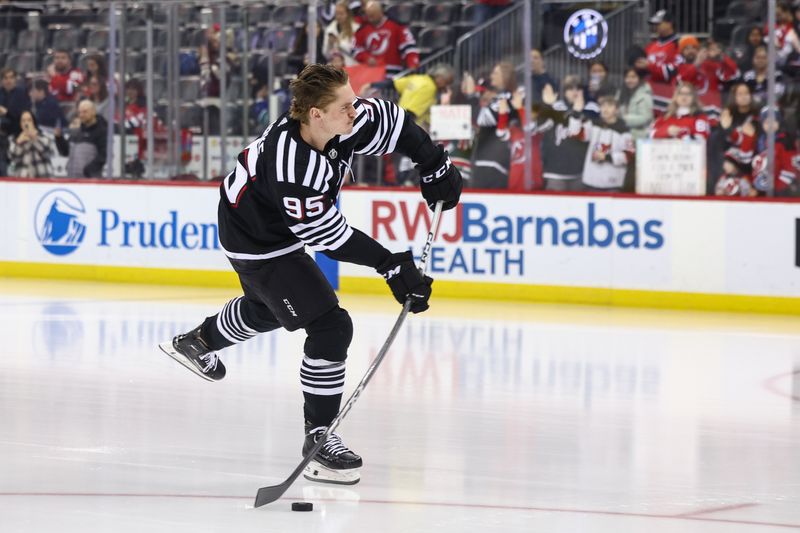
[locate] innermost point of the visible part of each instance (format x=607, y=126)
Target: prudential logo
x=58, y=221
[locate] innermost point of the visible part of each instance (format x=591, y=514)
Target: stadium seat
x=193, y=37
x=159, y=88
x=30, y=40
x=468, y=14
x=136, y=38
x=289, y=14
x=97, y=40
x=67, y=38
x=190, y=88
x=279, y=39
x=6, y=38
x=191, y=116
x=434, y=39
x=403, y=13
x=258, y=13
x=23, y=62
x=439, y=14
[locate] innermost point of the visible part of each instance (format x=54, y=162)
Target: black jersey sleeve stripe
x=280, y=157
x=381, y=134
x=324, y=235
x=311, y=169
x=332, y=218
x=290, y=162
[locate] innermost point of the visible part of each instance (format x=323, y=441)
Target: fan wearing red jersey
x=684, y=117
x=65, y=80
x=705, y=67
x=660, y=52
x=382, y=41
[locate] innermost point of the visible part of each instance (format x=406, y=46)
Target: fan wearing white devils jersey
x=282, y=197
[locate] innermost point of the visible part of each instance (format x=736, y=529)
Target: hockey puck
x=302, y=506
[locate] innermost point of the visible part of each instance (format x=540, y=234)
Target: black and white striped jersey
x=283, y=193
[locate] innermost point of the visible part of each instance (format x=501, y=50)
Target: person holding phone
x=31, y=152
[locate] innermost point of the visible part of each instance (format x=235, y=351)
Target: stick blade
x=267, y=495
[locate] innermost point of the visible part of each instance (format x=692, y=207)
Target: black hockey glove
x=406, y=281
x=441, y=181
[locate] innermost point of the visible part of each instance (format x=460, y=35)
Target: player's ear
x=314, y=112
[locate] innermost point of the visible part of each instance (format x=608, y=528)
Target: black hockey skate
x=192, y=351
x=334, y=463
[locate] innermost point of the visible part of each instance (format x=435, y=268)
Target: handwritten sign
x=671, y=167
x=451, y=122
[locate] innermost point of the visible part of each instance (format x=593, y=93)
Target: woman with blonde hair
x=339, y=35
x=684, y=117
x=491, y=153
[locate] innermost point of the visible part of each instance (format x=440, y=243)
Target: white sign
x=216, y=166
x=671, y=167
x=451, y=122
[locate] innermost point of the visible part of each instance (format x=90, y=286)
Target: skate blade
x=314, y=471
x=167, y=348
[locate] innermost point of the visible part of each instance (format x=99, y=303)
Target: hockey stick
x=270, y=494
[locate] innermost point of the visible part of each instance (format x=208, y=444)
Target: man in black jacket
x=86, y=145
x=45, y=106
x=13, y=101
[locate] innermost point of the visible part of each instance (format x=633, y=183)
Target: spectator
x=13, y=101
x=540, y=77
x=86, y=145
x=95, y=69
x=46, y=109
x=659, y=53
x=744, y=54
x=756, y=78
x=597, y=86
x=491, y=153
x=97, y=92
x=707, y=68
x=734, y=181
x=298, y=56
x=65, y=80
x=327, y=10
x=787, y=158
x=418, y=92
x=382, y=41
x=635, y=101
x=734, y=139
x=210, y=62
x=340, y=35
x=786, y=39
x=609, y=148
x=684, y=117
x=135, y=121
x=516, y=136
x=260, y=109
x=562, y=153
x=31, y=152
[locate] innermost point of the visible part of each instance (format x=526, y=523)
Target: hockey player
x=281, y=197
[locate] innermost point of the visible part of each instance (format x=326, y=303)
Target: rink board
x=585, y=249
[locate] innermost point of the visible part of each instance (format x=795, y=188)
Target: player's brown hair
x=315, y=87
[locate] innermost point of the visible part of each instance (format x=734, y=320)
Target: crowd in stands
x=585, y=126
